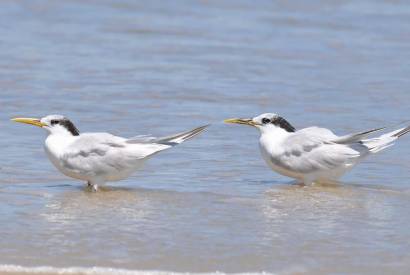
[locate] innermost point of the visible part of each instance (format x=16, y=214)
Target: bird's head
x=54, y=124
x=267, y=122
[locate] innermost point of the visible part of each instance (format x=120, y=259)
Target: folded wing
x=100, y=153
x=306, y=153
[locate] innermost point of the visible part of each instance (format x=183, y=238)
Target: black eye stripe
x=66, y=124
x=284, y=124
x=70, y=127
x=266, y=120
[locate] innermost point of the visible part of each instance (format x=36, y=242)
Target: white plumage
x=99, y=157
x=314, y=154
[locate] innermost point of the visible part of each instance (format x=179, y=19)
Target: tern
x=314, y=154
x=99, y=157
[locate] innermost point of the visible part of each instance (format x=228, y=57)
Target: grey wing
x=318, y=132
x=304, y=153
x=326, y=134
x=97, y=154
x=356, y=137
x=171, y=140
x=142, y=139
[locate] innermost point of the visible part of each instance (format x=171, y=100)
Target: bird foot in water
x=93, y=187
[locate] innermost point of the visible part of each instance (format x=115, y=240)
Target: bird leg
x=93, y=186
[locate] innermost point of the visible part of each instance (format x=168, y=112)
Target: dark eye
x=54, y=121
x=266, y=120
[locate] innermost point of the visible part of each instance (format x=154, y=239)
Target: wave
x=48, y=270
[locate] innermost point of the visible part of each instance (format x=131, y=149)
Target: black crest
x=66, y=123
x=283, y=123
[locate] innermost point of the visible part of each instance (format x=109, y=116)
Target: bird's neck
x=275, y=133
x=272, y=137
x=56, y=142
x=59, y=131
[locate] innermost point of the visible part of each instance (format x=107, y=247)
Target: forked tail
x=377, y=144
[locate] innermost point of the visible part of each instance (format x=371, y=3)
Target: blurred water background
x=211, y=204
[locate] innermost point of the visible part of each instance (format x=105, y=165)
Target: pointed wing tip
x=196, y=131
x=199, y=129
x=374, y=130
x=204, y=127
x=402, y=132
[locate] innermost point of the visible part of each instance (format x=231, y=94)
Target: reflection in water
x=125, y=203
x=327, y=201
x=308, y=209
x=311, y=220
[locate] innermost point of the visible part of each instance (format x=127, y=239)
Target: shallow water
x=210, y=204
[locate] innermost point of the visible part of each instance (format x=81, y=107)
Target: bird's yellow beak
x=32, y=121
x=245, y=121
